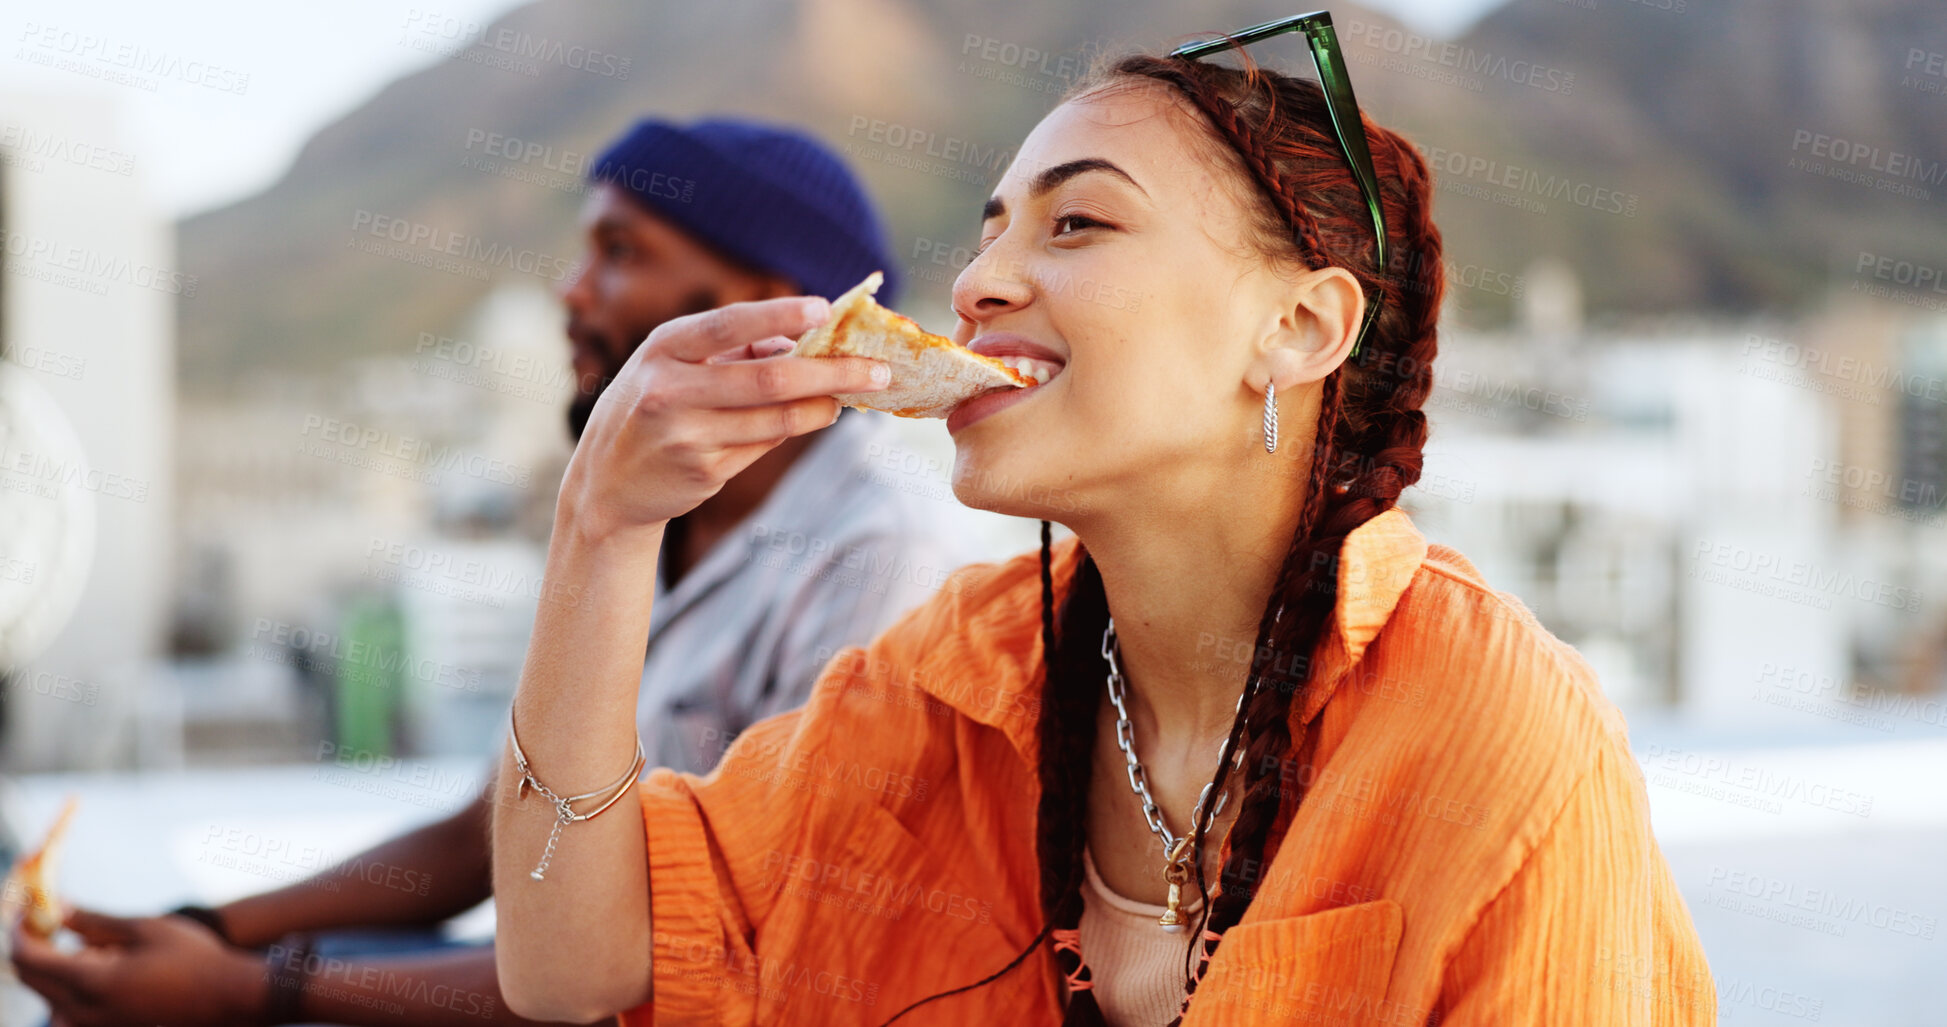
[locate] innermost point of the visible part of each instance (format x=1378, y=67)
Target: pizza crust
x=931, y=374
x=30, y=884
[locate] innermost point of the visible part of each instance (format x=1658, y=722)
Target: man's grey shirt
x=847, y=541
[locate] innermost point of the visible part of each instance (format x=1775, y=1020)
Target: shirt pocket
x=866, y=904
x=1330, y=967
x=918, y=889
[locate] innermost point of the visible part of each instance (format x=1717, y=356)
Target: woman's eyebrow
x=1054, y=176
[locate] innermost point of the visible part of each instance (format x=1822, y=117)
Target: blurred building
x=361, y=549
x=87, y=386
x=1719, y=516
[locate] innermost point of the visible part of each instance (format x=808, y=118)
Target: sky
x=253, y=81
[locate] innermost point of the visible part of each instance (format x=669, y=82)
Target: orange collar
x=989, y=666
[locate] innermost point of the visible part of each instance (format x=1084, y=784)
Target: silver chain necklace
x=1176, y=871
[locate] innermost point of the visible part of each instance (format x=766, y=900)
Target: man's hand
x=169, y=971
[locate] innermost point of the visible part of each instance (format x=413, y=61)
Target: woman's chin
x=1007, y=487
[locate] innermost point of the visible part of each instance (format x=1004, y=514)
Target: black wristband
x=206, y=916
x=287, y=965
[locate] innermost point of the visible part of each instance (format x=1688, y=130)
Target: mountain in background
x=1649, y=144
x=1715, y=113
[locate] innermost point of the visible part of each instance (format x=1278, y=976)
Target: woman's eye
x=1076, y=222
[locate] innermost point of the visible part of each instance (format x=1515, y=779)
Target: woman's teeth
x=1039, y=370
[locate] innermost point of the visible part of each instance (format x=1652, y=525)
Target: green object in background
x=371, y=675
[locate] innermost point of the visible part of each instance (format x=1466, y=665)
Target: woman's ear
x=1315, y=331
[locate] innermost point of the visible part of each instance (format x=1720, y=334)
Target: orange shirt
x=1473, y=847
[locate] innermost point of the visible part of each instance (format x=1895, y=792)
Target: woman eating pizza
x=1244, y=748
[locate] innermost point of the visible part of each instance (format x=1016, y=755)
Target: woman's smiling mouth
x=1027, y=357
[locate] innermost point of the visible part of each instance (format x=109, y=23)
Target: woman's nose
x=995, y=282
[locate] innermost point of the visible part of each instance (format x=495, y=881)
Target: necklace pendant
x=1172, y=918
x=1177, y=873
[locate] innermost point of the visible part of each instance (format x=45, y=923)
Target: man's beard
x=582, y=406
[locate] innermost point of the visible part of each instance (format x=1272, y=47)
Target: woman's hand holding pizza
x=700, y=400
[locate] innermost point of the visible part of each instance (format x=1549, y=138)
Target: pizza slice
x=30, y=885
x=930, y=373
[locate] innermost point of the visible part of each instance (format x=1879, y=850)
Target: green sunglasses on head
x=1339, y=103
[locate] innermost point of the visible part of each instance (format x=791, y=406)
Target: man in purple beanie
x=760, y=586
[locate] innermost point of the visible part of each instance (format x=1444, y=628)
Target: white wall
x=90, y=287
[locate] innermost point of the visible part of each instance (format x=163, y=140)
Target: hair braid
x=1070, y=700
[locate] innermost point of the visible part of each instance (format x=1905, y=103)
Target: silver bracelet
x=564, y=810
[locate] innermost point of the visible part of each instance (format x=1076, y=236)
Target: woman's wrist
x=589, y=526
